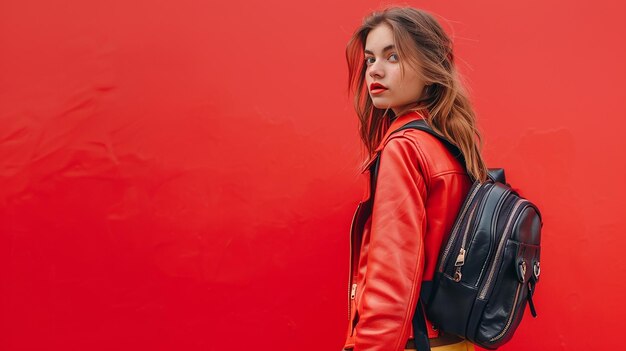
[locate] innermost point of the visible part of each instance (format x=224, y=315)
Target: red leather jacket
x=420, y=189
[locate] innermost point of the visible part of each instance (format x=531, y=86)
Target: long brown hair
x=445, y=105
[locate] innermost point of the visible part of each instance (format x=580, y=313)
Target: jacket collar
x=397, y=122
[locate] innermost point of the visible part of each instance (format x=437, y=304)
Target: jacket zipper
x=506, y=234
x=456, y=227
x=508, y=323
x=351, y=286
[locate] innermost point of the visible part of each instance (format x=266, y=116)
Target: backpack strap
x=420, y=333
x=494, y=174
x=421, y=125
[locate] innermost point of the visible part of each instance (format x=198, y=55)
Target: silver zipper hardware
x=350, y=260
x=492, y=270
x=457, y=275
x=536, y=270
x=353, y=292
x=460, y=259
x=456, y=227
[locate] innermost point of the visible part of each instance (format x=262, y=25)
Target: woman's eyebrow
x=388, y=47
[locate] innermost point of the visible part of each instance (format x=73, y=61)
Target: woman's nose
x=375, y=71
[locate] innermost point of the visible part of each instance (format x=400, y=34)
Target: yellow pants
x=460, y=346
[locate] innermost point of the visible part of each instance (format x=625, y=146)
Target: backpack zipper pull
x=460, y=260
x=353, y=292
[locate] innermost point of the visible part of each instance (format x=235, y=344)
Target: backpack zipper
x=508, y=323
x=460, y=259
x=494, y=230
x=494, y=227
x=508, y=228
x=456, y=226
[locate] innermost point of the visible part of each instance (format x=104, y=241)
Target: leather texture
x=395, y=241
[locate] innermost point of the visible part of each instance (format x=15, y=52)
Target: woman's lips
x=377, y=90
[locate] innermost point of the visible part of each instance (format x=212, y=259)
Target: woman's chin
x=380, y=105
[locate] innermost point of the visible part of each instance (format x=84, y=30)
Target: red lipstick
x=377, y=88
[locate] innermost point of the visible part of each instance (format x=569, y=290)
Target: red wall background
x=180, y=175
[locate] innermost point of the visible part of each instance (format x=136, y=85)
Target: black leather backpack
x=487, y=269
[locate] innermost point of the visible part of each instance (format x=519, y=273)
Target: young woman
x=401, y=68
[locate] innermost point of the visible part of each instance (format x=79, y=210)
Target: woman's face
x=383, y=67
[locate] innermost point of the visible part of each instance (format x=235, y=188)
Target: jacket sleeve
x=396, y=251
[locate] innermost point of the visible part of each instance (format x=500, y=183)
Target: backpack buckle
x=521, y=270
x=536, y=270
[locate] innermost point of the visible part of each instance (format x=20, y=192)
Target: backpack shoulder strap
x=421, y=125
x=495, y=174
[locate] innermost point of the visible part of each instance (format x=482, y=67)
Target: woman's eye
x=370, y=60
